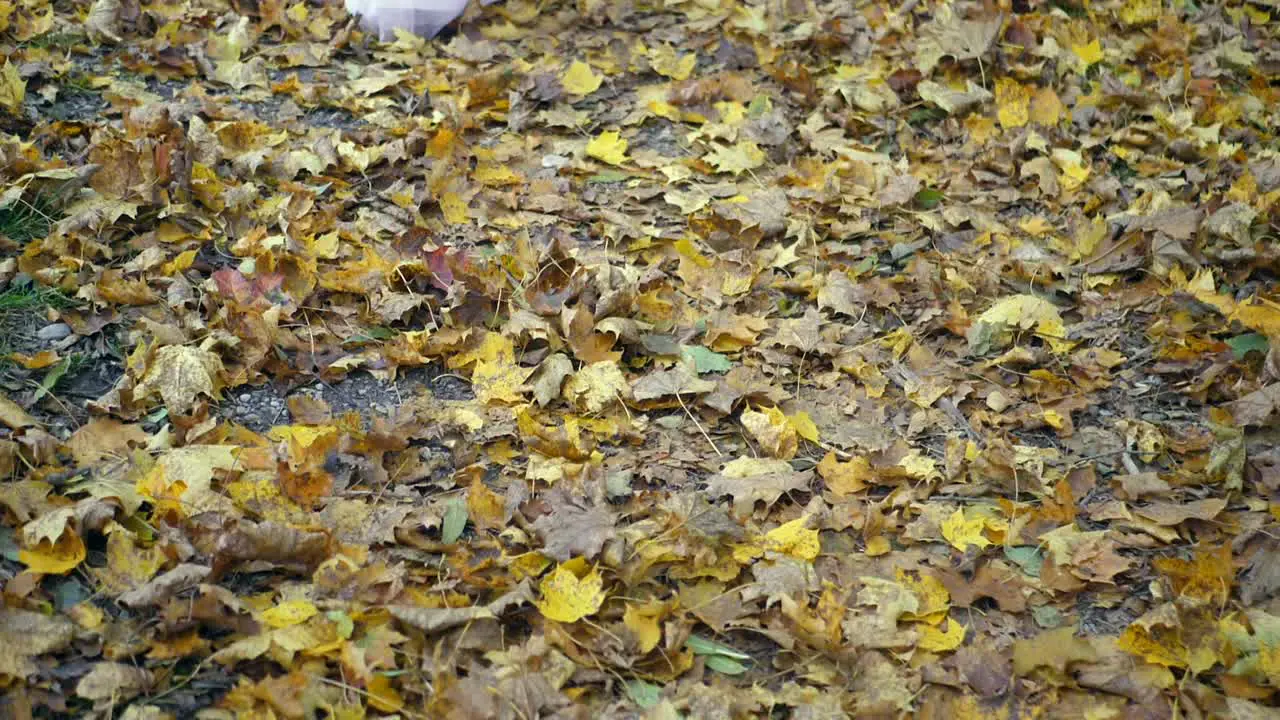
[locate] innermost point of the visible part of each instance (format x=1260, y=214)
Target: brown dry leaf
x=103, y=438
x=1170, y=514
x=26, y=635
x=1257, y=407
x=749, y=480
x=273, y=543
x=12, y=415
x=160, y=588
x=573, y=528
x=433, y=620
x=113, y=682
x=948, y=34
x=670, y=384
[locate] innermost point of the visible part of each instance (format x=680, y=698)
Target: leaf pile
x=683, y=359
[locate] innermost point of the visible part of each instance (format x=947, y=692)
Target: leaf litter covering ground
x=823, y=361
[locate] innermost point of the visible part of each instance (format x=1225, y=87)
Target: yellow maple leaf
x=791, y=538
x=128, y=563
x=486, y=508
x=580, y=80
x=497, y=377
x=794, y=539
x=1018, y=311
x=530, y=564
x=56, y=558
x=609, y=146
x=494, y=174
x=805, y=426
x=1013, y=101
x=1262, y=316
x=569, y=598
x=1141, y=12
x=13, y=89
x=596, y=387
x=963, y=531
x=934, y=598
x=1164, y=636
x=738, y=158
x=845, y=478
x=771, y=428
x=183, y=477
x=179, y=263
x=289, y=612
x=383, y=697
x=1075, y=170
x=878, y=545
x=939, y=641
x=178, y=374
x=1089, y=53
x=643, y=622
x=667, y=62
x=300, y=438
x=455, y=209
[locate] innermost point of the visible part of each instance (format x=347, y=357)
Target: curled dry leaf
x=113, y=682
x=157, y=590
x=270, y=542
x=26, y=635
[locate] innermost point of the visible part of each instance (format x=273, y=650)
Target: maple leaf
x=496, y=376
x=948, y=34
x=579, y=79
x=749, y=480
x=178, y=374
x=737, y=159
x=1026, y=312
x=670, y=383
x=12, y=88
x=964, y=532
x=573, y=528
x=609, y=147
x=666, y=61
x=596, y=387
x=568, y=597
x=26, y=635
x=773, y=431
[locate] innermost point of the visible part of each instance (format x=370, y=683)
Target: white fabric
x=423, y=17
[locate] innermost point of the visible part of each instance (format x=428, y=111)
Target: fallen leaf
x=608, y=147
x=567, y=597
x=580, y=80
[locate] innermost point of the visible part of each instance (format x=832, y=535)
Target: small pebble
x=55, y=331
x=244, y=397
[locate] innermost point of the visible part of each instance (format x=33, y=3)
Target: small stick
x=699, y=426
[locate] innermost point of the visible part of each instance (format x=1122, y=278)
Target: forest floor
x=684, y=359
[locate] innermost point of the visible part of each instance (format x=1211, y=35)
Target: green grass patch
x=24, y=309
x=31, y=297
x=27, y=220
x=58, y=40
